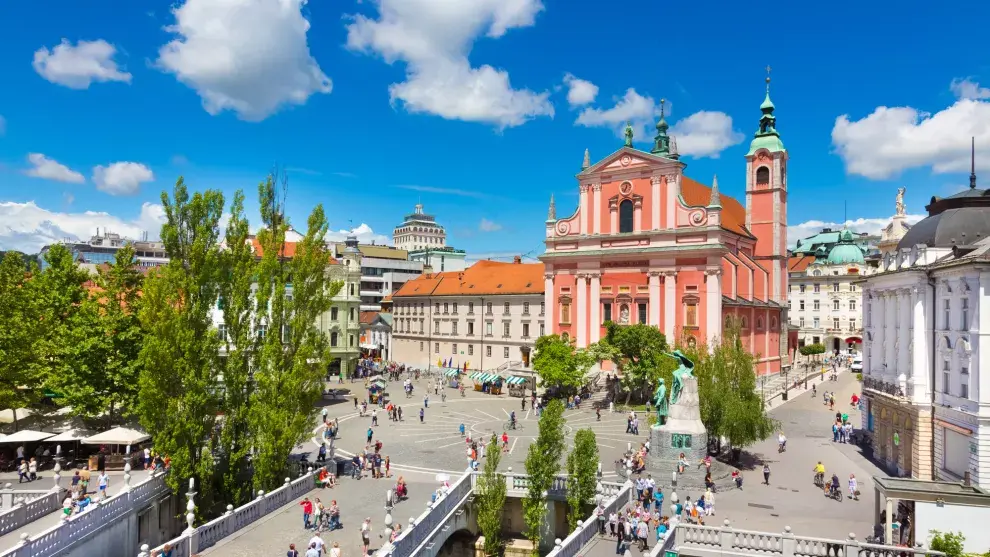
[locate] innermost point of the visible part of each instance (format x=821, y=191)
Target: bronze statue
x=660, y=401
x=629, y=134
x=685, y=371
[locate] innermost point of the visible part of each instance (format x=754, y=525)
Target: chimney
x=517, y=259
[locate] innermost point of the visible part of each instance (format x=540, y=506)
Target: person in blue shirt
x=661, y=529
x=461, y=428
x=658, y=499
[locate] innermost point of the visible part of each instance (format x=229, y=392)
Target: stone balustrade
x=615, y=499
x=10, y=497
x=196, y=539
x=24, y=507
x=420, y=529
x=77, y=527
x=722, y=541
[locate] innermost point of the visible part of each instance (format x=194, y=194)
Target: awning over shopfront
x=482, y=377
x=452, y=373
x=514, y=380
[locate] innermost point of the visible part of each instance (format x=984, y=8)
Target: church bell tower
x=766, y=198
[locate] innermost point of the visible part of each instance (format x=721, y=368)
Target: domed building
x=922, y=377
x=825, y=303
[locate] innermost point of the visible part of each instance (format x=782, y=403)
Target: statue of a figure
x=624, y=315
x=900, y=201
x=629, y=134
x=660, y=401
x=685, y=371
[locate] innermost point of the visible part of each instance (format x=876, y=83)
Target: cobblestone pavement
x=420, y=451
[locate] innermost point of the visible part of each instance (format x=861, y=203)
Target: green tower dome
x=845, y=252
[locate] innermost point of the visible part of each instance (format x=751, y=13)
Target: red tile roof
x=799, y=263
x=733, y=213
x=484, y=278
x=366, y=317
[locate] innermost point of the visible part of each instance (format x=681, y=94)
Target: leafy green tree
x=730, y=406
x=812, y=349
x=233, y=445
x=490, y=500
x=20, y=334
x=179, y=394
x=292, y=355
x=104, y=339
x=558, y=363
x=638, y=352
x=542, y=466
x=582, y=469
x=950, y=543
x=59, y=291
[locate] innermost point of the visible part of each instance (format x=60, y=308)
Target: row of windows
x=963, y=380
x=624, y=317
x=470, y=349
x=963, y=314
x=451, y=308
x=406, y=325
x=817, y=287
x=816, y=305
x=836, y=323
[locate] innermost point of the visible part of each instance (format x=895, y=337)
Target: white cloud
x=27, y=227
x=364, y=233
x=631, y=107
x=121, y=178
x=892, y=140
x=871, y=226
x=579, y=91
x=248, y=56
x=705, y=134
x=489, y=226
x=968, y=89
x=78, y=66
x=434, y=39
x=50, y=169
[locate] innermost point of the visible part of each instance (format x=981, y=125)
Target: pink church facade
x=648, y=244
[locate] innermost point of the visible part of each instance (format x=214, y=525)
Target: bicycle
x=820, y=479
x=512, y=425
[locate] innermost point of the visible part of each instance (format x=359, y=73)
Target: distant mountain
x=28, y=258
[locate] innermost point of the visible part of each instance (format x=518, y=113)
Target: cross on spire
x=972, y=163
x=768, y=79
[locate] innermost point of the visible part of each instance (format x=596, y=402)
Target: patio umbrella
x=117, y=436
x=74, y=434
x=26, y=436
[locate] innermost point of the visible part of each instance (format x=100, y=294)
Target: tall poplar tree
x=582, y=470
x=237, y=340
x=19, y=335
x=104, y=339
x=179, y=390
x=543, y=465
x=293, y=290
x=59, y=294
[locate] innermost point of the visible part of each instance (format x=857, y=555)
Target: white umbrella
x=26, y=436
x=7, y=416
x=117, y=436
x=74, y=434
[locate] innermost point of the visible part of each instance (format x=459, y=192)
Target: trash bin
x=783, y=396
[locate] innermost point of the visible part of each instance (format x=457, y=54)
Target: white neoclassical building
x=824, y=300
x=927, y=345
x=486, y=316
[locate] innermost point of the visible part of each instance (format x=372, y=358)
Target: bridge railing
x=422, y=527
x=77, y=527
x=196, y=539
x=28, y=507
x=586, y=530
x=711, y=541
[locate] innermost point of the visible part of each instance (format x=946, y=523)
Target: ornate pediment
x=628, y=158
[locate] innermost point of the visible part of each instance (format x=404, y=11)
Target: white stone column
x=670, y=200
x=655, y=205
x=669, y=304
x=550, y=319
x=583, y=200
x=597, y=202
x=581, y=322
x=920, y=353
x=713, y=306
x=654, y=314
x=637, y=216
x=890, y=336
x=879, y=322
x=904, y=317
x=595, y=320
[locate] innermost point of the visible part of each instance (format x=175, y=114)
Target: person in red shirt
x=505, y=441
x=307, y=506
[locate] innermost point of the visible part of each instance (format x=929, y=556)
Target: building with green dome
x=825, y=303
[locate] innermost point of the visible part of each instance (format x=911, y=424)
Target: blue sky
x=479, y=108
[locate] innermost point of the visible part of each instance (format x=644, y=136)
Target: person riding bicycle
x=512, y=420
x=833, y=485
x=819, y=472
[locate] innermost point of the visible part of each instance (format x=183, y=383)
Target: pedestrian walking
x=422, y=414
x=103, y=482
x=307, y=509
x=426, y=400
x=292, y=551
x=366, y=534
x=766, y=474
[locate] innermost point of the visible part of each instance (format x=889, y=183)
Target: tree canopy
x=558, y=363
x=638, y=352
x=543, y=465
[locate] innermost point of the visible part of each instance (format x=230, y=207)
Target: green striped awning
x=513, y=380
x=453, y=372
x=475, y=375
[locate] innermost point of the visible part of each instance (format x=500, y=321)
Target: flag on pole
x=439, y=362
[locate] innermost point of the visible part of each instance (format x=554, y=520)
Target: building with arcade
x=648, y=244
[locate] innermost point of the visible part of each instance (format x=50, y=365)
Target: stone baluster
x=508, y=479
x=24, y=539
x=144, y=550
x=852, y=545
x=788, y=543
x=230, y=510
x=7, y=497
x=127, y=471
x=191, y=506
x=725, y=536
x=56, y=476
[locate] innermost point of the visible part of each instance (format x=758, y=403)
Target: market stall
x=115, y=437
x=453, y=377
x=485, y=382
x=517, y=385
x=376, y=390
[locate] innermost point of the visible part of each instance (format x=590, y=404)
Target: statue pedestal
x=683, y=433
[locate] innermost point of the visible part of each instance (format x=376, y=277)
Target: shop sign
x=897, y=439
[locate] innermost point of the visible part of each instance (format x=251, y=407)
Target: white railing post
x=144, y=550
x=852, y=545
x=56, y=476
x=191, y=507
x=7, y=496
x=787, y=542
x=725, y=536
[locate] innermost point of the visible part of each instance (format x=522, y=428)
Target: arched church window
x=773, y=323
x=762, y=176
x=744, y=323
x=759, y=323
x=626, y=216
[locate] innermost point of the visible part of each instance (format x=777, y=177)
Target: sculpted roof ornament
x=716, y=200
